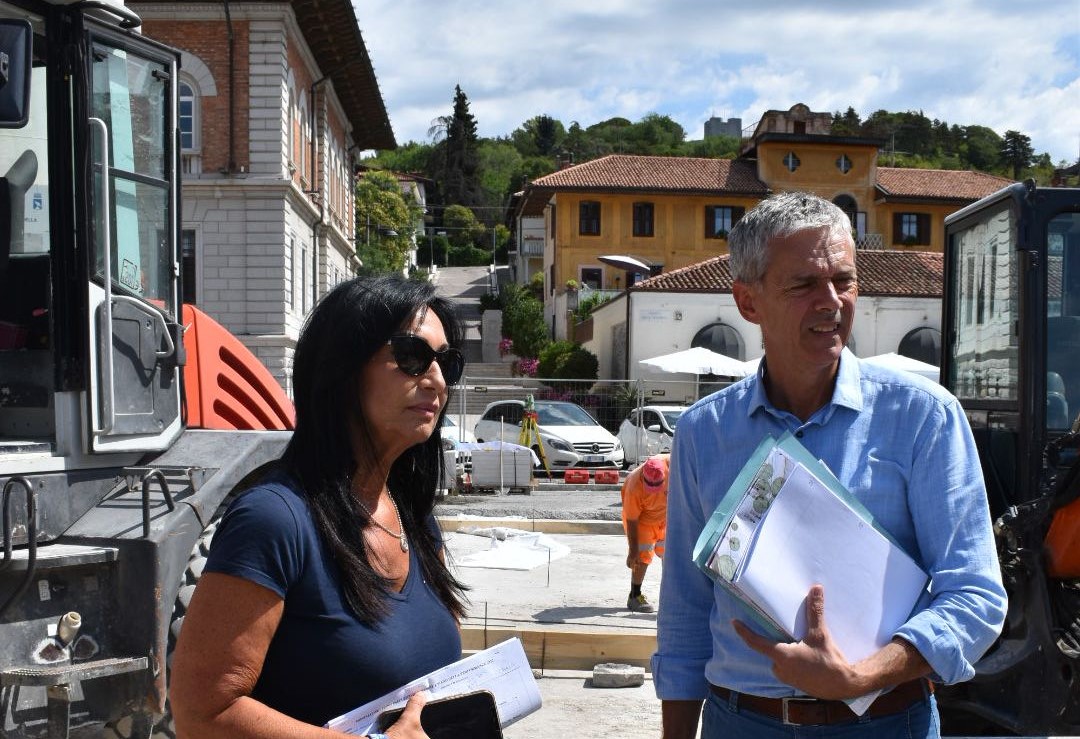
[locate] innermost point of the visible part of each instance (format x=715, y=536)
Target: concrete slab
x=573, y=708
x=569, y=614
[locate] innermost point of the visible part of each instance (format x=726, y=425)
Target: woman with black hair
x=326, y=584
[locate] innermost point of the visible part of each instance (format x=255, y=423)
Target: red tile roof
x=658, y=174
x=937, y=184
x=911, y=274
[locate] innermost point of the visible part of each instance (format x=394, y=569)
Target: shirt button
x=798, y=434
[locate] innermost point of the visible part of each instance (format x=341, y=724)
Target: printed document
x=787, y=524
x=502, y=669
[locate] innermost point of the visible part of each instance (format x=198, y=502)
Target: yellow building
x=622, y=218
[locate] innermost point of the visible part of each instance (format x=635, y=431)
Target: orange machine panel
x=225, y=386
x=1063, y=543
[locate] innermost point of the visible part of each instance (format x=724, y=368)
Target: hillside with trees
x=482, y=174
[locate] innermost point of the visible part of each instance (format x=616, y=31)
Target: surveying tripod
x=530, y=436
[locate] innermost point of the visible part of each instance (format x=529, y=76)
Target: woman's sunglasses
x=414, y=355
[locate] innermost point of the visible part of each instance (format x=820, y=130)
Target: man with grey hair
x=898, y=442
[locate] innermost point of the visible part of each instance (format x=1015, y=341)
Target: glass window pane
x=1063, y=320
x=129, y=96
x=984, y=330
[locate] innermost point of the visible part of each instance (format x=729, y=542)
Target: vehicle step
x=57, y=556
x=67, y=672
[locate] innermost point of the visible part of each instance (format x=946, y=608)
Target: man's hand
x=814, y=665
x=632, y=541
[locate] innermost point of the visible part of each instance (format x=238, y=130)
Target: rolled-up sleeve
x=965, y=607
x=683, y=637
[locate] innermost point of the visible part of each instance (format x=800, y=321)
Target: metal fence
x=630, y=405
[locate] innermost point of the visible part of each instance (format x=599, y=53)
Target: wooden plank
x=566, y=650
x=541, y=525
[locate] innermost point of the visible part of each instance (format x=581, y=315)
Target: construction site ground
x=570, y=613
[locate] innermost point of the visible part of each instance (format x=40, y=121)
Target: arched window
x=190, y=138
x=189, y=117
x=305, y=137
x=923, y=344
x=720, y=338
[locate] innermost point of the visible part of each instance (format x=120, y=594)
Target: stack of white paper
x=787, y=524
x=502, y=670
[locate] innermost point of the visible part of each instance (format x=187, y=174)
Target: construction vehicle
x=1011, y=354
x=126, y=420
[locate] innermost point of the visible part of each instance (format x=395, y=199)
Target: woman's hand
x=408, y=725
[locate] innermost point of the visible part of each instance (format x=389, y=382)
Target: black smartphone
x=467, y=716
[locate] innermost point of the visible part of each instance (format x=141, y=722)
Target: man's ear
x=744, y=301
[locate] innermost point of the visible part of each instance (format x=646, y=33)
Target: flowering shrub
x=506, y=345
x=527, y=367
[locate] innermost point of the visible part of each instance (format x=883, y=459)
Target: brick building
x=276, y=99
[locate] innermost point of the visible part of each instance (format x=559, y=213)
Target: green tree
x=523, y=321
x=981, y=148
x=460, y=179
x=381, y=208
x=657, y=135
x=539, y=136
x=410, y=157
x=463, y=229
x=846, y=124
x=1016, y=152
x=713, y=147
x=565, y=360
x=499, y=168
x=575, y=146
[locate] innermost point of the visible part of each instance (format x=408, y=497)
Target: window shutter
x=897, y=229
x=710, y=221
x=737, y=212
x=924, y=228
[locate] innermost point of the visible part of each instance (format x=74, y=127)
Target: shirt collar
x=846, y=393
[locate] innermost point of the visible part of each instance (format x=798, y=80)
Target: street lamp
x=446, y=252
x=381, y=229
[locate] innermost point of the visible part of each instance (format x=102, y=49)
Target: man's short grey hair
x=778, y=216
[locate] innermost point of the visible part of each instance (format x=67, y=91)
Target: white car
x=453, y=434
x=570, y=436
x=649, y=430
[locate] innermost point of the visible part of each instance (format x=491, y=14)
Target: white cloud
x=1002, y=64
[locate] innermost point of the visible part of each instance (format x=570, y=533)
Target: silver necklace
x=402, y=539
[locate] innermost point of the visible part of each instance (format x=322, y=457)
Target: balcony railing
x=870, y=241
x=532, y=247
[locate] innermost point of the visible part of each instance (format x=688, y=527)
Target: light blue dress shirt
x=901, y=444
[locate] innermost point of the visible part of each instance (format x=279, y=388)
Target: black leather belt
x=813, y=711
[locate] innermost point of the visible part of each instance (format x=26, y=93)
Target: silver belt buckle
x=785, y=702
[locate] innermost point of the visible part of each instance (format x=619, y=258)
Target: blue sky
x=997, y=63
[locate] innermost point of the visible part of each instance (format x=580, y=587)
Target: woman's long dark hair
x=341, y=335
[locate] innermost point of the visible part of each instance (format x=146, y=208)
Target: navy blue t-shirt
x=323, y=661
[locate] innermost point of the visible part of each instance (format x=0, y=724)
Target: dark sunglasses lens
x=412, y=354
x=452, y=364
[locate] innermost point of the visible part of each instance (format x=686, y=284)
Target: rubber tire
x=164, y=727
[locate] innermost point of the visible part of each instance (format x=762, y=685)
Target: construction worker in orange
x=644, y=516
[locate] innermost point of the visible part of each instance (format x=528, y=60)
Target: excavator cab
x=90, y=341
x=1011, y=324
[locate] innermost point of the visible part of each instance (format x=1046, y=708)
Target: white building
x=898, y=310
